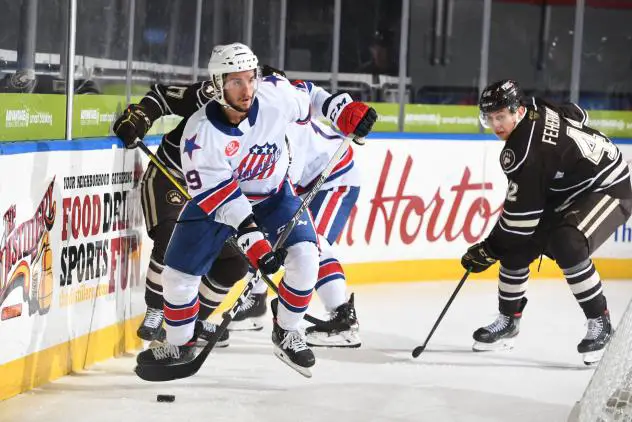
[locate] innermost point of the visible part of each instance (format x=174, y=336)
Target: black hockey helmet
x=501, y=94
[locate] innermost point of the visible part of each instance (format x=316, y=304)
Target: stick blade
x=161, y=373
x=417, y=351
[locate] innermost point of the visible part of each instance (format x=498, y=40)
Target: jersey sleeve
x=522, y=209
x=209, y=176
x=568, y=110
x=181, y=100
x=317, y=96
x=296, y=101
x=574, y=112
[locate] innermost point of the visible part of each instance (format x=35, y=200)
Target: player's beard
x=240, y=108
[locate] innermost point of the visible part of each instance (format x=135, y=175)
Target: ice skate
x=500, y=334
x=341, y=330
x=151, y=327
x=290, y=347
x=594, y=343
x=208, y=330
x=166, y=354
x=250, y=314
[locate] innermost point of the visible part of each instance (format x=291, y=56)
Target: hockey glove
x=478, y=258
x=131, y=125
x=259, y=251
x=351, y=117
x=270, y=71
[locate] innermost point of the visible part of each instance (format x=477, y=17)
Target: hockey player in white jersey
x=235, y=161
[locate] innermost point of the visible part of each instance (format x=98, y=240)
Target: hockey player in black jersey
x=162, y=203
x=568, y=190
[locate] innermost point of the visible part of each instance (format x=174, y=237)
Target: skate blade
x=497, y=346
x=250, y=324
x=300, y=369
x=161, y=337
x=341, y=340
x=592, y=358
x=221, y=344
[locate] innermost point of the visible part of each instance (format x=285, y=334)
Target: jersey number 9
x=193, y=179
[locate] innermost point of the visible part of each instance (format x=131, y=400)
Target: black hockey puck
x=165, y=398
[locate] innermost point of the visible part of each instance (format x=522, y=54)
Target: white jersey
x=227, y=167
x=312, y=146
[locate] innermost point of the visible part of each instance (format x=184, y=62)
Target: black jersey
x=551, y=160
x=180, y=100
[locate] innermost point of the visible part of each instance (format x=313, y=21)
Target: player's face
x=502, y=122
x=239, y=89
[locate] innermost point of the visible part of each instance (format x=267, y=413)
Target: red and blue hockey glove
x=252, y=241
x=351, y=117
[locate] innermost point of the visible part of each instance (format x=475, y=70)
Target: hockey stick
x=417, y=351
x=187, y=369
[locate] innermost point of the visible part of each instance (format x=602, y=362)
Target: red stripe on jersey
x=344, y=161
x=329, y=210
x=217, y=198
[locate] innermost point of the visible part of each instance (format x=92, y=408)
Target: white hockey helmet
x=235, y=57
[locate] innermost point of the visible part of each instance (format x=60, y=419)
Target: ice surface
x=540, y=380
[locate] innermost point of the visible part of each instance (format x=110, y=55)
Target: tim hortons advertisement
x=424, y=199
x=71, y=255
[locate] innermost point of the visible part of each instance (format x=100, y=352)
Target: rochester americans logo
x=259, y=163
x=26, y=260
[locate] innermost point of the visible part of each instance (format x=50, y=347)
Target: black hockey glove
x=269, y=71
x=131, y=125
x=478, y=258
x=253, y=243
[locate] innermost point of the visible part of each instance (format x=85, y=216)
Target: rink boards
x=73, y=248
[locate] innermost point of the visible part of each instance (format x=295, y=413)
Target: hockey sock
x=181, y=304
x=512, y=287
x=153, y=285
x=585, y=283
x=211, y=296
x=295, y=291
x=331, y=285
